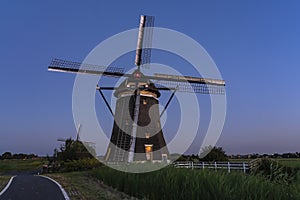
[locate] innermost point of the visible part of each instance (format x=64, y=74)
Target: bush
x=212, y=154
x=274, y=171
x=74, y=165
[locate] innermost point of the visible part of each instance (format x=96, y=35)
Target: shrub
x=274, y=171
x=74, y=165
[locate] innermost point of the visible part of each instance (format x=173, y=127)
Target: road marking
x=61, y=188
x=7, y=185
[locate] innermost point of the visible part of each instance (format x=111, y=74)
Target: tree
x=213, y=154
x=7, y=155
x=19, y=156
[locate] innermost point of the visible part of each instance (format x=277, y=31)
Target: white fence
x=229, y=166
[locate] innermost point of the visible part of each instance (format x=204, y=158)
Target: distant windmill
x=77, y=135
x=129, y=140
x=77, y=138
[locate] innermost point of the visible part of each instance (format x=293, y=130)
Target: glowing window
x=148, y=148
x=144, y=102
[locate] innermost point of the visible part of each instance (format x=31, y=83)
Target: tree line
x=209, y=154
x=275, y=155
x=9, y=155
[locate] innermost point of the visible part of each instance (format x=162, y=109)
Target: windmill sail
x=144, y=44
x=190, y=79
x=188, y=84
x=60, y=65
x=147, y=42
x=189, y=87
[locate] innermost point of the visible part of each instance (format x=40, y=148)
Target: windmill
x=139, y=92
x=77, y=138
x=83, y=149
x=77, y=135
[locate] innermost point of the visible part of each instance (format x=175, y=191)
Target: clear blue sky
x=255, y=44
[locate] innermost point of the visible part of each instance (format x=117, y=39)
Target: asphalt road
x=30, y=187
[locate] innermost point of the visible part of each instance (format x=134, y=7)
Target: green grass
x=290, y=162
x=20, y=165
x=171, y=183
x=80, y=185
x=240, y=160
x=3, y=181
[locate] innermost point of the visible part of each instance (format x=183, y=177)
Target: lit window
x=144, y=102
x=148, y=148
x=147, y=135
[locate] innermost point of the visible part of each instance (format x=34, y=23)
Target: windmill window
x=144, y=102
x=147, y=135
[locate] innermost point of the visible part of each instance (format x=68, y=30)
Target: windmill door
x=149, y=151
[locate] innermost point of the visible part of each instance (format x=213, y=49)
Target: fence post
x=244, y=167
x=192, y=165
x=215, y=166
x=228, y=167
x=203, y=165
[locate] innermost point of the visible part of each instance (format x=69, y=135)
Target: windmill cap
x=129, y=85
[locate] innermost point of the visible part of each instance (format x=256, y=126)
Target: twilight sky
x=255, y=45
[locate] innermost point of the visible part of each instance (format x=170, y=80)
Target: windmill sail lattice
x=61, y=65
x=147, y=42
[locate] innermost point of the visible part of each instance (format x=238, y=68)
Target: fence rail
x=243, y=166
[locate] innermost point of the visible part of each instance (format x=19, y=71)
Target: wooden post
x=192, y=165
x=203, y=165
x=215, y=166
x=244, y=167
x=228, y=167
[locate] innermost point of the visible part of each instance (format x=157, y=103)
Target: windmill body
x=149, y=141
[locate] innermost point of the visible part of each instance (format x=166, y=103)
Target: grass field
x=168, y=183
x=20, y=165
x=290, y=162
x=171, y=183
x=80, y=185
x=3, y=181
